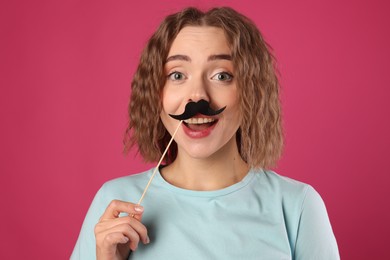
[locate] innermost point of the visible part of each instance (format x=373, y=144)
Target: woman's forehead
x=200, y=39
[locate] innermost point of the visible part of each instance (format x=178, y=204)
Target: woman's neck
x=222, y=169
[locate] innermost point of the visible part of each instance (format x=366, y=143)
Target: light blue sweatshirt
x=264, y=216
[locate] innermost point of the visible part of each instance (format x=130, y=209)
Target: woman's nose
x=198, y=90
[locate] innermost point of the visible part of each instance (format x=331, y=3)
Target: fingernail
x=125, y=239
x=147, y=240
x=139, y=208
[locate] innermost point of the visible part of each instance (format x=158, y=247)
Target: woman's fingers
x=108, y=246
x=134, y=233
x=114, y=238
x=113, y=232
x=117, y=206
x=123, y=224
x=120, y=234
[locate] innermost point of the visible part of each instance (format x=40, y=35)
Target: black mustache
x=200, y=107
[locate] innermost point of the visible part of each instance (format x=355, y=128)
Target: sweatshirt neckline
x=208, y=194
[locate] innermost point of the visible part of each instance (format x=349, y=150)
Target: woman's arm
x=315, y=239
x=107, y=234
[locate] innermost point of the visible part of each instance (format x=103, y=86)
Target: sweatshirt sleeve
x=315, y=238
x=85, y=247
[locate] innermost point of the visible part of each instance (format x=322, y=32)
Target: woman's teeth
x=199, y=120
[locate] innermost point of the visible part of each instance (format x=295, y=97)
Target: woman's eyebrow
x=178, y=57
x=210, y=58
x=219, y=57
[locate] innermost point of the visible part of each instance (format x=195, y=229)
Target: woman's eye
x=175, y=76
x=223, y=76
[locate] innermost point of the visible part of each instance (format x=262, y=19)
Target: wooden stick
x=158, y=165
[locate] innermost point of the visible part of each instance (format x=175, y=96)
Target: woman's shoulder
x=131, y=178
x=288, y=190
x=126, y=187
x=279, y=182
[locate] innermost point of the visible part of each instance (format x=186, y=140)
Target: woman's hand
x=116, y=236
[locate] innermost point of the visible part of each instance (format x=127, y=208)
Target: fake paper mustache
x=200, y=107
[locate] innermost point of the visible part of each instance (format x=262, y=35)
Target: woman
x=213, y=198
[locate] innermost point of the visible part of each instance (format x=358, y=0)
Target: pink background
x=65, y=73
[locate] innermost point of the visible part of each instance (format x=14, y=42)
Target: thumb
x=140, y=211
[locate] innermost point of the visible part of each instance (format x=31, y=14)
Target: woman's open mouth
x=198, y=127
x=199, y=123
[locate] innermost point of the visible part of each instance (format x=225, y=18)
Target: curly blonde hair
x=260, y=136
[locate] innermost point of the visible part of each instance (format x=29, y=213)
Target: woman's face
x=199, y=66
